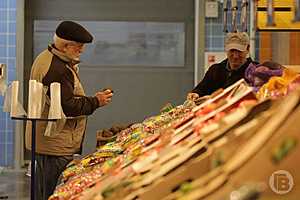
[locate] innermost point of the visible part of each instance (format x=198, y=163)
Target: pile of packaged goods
x=271, y=80
x=186, y=152
x=279, y=86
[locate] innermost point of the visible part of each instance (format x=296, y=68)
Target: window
x=124, y=43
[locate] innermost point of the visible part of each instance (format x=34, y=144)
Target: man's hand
x=195, y=98
x=192, y=96
x=104, y=97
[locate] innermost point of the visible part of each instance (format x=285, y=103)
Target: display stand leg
x=33, y=148
x=33, y=141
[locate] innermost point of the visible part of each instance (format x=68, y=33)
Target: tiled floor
x=14, y=186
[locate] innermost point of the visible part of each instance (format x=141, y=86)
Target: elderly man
x=230, y=70
x=59, y=63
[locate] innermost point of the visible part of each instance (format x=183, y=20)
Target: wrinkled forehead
x=76, y=43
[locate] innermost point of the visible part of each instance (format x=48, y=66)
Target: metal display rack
x=33, y=147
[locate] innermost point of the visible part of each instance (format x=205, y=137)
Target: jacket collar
x=245, y=65
x=62, y=55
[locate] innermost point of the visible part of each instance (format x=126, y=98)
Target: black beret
x=72, y=31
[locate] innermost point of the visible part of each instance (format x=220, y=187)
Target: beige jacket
x=67, y=135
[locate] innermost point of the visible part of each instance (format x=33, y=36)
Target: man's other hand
x=192, y=96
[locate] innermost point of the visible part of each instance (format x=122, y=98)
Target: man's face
x=74, y=50
x=236, y=58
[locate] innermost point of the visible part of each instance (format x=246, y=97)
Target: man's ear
x=248, y=47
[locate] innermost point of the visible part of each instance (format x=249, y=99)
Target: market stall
x=192, y=151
